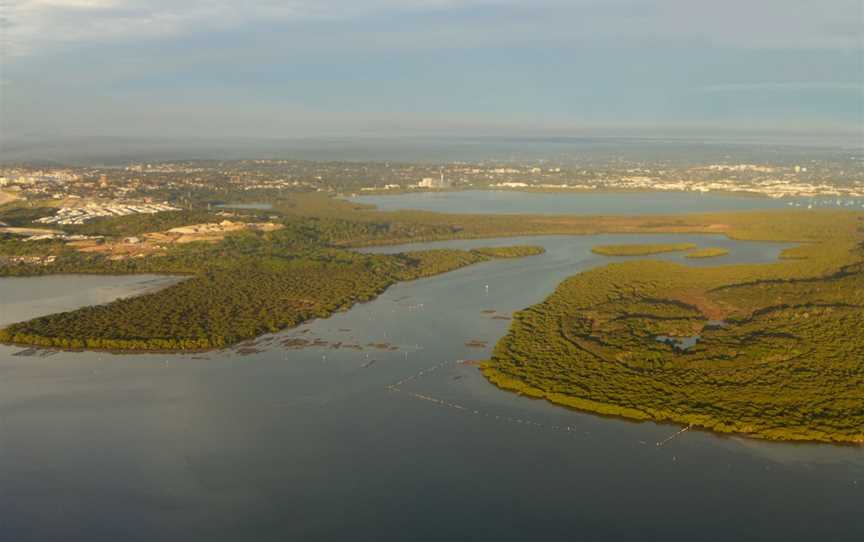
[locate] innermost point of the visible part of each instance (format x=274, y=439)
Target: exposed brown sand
x=7, y=197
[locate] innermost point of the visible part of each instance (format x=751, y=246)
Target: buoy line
x=397, y=388
x=668, y=439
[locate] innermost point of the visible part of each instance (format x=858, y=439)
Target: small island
x=510, y=252
x=641, y=250
x=705, y=253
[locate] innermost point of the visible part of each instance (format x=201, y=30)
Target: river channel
x=366, y=426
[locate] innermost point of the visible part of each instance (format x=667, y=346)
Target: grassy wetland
x=231, y=299
x=641, y=250
x=777, y=346
x=705, y=253
x=777, y=355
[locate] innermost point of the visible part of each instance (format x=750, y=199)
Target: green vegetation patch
x=641, y=250
x=785, y=363
x=22, y=216
x=510, y=252
x=137, y=224
x=705, y=253
x=241, y=288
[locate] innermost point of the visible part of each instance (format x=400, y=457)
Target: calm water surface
x=594, y=203
x=310, y=444
x=22, y=298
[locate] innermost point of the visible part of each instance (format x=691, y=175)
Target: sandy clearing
x=7, y=197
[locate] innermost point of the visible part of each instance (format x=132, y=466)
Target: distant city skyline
x=384, y=68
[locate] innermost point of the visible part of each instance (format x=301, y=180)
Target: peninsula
x=777, y=351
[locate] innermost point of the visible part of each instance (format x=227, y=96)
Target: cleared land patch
x=7, y=197
x=148, y=244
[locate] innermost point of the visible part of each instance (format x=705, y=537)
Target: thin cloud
x=31, y=26
x=299, y=66
x=786, y=86
x=34, y=26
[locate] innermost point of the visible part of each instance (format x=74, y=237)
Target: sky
x=351, y=68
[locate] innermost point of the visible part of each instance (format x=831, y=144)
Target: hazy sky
x=347, y=67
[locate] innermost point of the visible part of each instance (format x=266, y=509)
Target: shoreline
x=384, y=243
x=582, y=191
x=641, y=416
x=240, y=341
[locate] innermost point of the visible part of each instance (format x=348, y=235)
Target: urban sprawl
x=76, y=195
